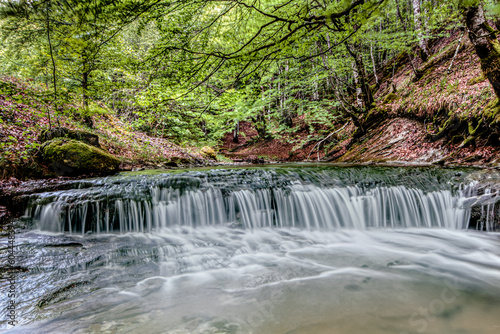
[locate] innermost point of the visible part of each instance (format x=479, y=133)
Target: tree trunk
x=53, y=67
x=483, y=37
x=360, y=76
x=398, y=11
x=236, y=132
x=422, y=42
x=85, y=85
x=259, y=123
x=87, y=119
x=326, y=65
x=373, y=64
x=287, y=117
x=357, y=82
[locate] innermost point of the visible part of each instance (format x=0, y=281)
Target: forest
x=261, y=80
x=250, y=166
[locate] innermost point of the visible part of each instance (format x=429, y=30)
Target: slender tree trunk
x=456, y=50
x=373, y=63
x=484, y=39
x=422, y=42
x=399, y=15
x=417, y=74
x=315, y=91
x=279, y=88
x=287, y=115
x=393, y=83
x=46, y=79
x=259, y=122
x=359, y=90
x=85, y=85
x=324, y=58
x=53, y=65
x=236, y=132
x=360, y=76
x=87, y=119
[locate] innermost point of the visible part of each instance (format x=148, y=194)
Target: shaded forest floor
x=447, y=114
x=288, y=147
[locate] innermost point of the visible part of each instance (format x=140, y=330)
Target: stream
x=276, y=249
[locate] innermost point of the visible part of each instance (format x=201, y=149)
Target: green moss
x=471, y=140
x=181, y=161
x=93, y=109
x=391, y=97
x=472, y=130
x=491, y=64
x=70, y=157
x=208, y=152
x=446, y=124
x=492, y=112
x=476, y=80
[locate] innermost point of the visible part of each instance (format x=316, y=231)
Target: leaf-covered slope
x=23, y=116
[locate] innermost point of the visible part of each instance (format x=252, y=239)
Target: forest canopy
x=192, y=70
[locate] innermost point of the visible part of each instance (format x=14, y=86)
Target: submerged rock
x=71, y=157
x=83, y=136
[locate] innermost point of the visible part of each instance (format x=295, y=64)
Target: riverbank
x=439, y=112
x=442, y=111
x=24, y=116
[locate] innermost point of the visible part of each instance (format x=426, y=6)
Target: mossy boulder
x=70, y=157
x=61, y=132
x=208, y=152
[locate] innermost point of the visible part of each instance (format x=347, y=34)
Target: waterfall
x=319, y=201
x=261, y=250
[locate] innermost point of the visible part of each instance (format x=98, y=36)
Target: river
x=277, y=249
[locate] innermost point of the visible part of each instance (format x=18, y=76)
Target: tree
x=80, y=34
x=188, y=69
x=422, y=41
x=484, y=39
x=249, y=35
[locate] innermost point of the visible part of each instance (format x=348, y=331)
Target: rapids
x=298, y=249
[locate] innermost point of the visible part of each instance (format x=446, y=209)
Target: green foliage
x=93, y=109
x=191, y=72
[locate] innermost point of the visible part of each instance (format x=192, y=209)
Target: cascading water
x=299, y=249
x=284, y=200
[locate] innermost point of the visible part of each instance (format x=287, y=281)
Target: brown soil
x=288, y=147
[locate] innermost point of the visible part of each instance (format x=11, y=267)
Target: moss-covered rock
x=61, y=132
x=72, y=157
x=208, y=152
